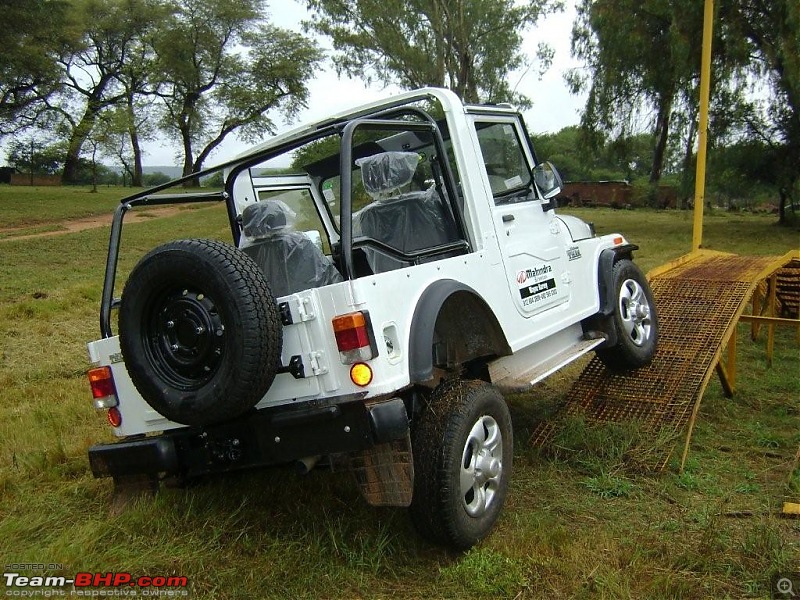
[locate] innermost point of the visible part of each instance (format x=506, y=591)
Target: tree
x=620, y=158
x=224, y=70
x=468, y=46
x=117, y=132
x=564, y=150
x=639, y=54
x=138, y=80
x=646, y=54
x=33, y=36
x=770, y=35
x=36, y=156
x=111, y=31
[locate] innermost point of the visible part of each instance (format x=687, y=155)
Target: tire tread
x=260, y=344
x=435, y=440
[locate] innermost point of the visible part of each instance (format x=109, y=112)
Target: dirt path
x=73, y=225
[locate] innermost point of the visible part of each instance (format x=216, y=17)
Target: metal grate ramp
x=699, y=299
x=788, y=290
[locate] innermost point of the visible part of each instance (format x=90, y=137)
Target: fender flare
x=423, y=323
x=605, y=266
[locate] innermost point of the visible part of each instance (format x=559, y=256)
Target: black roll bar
x=107, y=301
x=324, y=128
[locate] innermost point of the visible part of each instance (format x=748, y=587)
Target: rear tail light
x=104, y=391
x=354, y=337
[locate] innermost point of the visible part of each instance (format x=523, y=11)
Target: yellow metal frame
x=702, y=129
x=726, y=369
x=605, y=396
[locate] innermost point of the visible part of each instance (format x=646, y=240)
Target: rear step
x=515, y=376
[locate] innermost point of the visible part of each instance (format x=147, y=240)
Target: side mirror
x=547, y=179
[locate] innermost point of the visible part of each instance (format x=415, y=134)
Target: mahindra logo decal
x=522, y=277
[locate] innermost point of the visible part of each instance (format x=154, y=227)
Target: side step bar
x=521, y=371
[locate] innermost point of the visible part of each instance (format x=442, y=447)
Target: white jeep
x=393, y=269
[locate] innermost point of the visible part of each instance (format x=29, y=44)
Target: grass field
x=27, y=206
x=580, y=522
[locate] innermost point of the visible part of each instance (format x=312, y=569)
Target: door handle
x=508, y=218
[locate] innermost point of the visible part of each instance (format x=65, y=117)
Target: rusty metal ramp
x=700, y=298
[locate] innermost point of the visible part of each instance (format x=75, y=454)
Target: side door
x=530, y=237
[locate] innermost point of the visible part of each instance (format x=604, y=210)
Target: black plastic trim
x=144, y=456
x=424, y=321
x=265, y=437
x=389, y=420
x=295, y=367
x=286, y=313
x=605, y=267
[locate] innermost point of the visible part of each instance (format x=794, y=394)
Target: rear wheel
x=463, y=454
x=199, y=331
x=634, y=320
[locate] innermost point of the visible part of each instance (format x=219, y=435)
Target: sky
x=553, y=105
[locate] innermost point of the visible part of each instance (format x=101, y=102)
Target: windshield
x=504, y=159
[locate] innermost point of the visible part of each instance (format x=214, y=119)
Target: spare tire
x=199, y=331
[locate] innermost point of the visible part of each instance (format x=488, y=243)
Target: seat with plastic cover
x=290, y=260
x=406, y=222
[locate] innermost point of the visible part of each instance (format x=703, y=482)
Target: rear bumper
x=264, y=437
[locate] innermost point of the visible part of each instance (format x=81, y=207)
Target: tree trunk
x=76, y=141
x=185, y=126
x=662, y=136
x=187, y=154
x=83, y=129
x=188, y=163
x=133, y=133
x=137, y=174
x=94, y=167
x=788, y=201
x=686, y=177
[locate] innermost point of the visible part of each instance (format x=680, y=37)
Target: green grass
x=581, y=520
x=26, y=206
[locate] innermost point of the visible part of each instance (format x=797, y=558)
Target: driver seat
x=407, y=222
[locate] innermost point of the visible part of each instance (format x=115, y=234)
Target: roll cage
x=386, y=116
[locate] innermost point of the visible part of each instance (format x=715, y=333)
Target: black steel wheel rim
x=184, y=338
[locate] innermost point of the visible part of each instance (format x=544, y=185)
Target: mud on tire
x=463, y=454
x=199, y=331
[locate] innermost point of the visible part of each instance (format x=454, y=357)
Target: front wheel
x=463, y=454
x=634, y=320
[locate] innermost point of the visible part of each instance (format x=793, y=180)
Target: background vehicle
x=393, y=270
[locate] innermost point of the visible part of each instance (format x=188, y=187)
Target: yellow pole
x=731, y=362
x=773, y=285
x=702, y=130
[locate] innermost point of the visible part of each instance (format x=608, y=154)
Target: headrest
x=265, y=218
x=387, y=171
